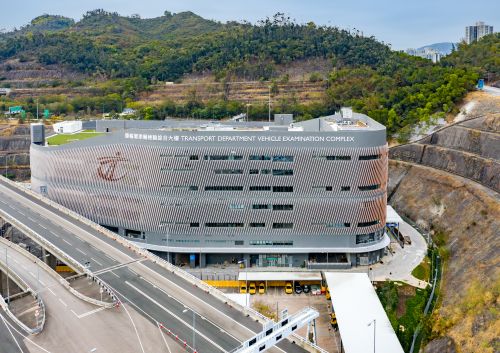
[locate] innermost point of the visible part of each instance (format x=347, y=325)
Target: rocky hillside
x=465, y=218
x=470, y=148
x=14, y=151
x=436, y=182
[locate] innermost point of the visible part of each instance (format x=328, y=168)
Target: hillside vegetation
x=483, y=55
x=121, y=58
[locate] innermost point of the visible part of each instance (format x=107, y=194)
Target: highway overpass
x=162, y=293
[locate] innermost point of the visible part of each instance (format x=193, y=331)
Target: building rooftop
x=358, y=310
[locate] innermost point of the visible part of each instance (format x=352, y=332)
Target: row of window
x=271, y=242
x=250, y=188
x=279, y=225
x=276, y=172
x=277, y=158
x=241, y=225
x=346, y=224
x=347, y=188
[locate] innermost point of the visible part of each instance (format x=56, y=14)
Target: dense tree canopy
x=392, y=87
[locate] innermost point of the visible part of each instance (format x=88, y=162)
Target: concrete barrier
x=61, y=280
x=27, y=289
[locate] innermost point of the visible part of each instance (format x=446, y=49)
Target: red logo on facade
x=108, y=167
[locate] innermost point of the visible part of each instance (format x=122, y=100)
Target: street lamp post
x=374, y=322
x=246, y=279
x=7, y=264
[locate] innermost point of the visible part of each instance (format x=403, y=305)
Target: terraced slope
x=470, y=149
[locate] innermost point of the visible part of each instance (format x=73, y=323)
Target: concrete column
x=203, y=260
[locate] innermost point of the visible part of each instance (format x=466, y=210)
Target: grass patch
x=404, y=307
x=423, y=270
x=62, y=139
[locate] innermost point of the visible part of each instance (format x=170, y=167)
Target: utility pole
x=37, y=109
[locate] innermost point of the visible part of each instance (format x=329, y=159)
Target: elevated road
x=164, y=298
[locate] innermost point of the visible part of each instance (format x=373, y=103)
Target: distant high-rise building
x=479, y=30
x=426, y=53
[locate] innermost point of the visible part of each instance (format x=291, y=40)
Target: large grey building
x=476, y=32
x=276, y=194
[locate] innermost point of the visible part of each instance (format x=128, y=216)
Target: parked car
x=315, y=289
x=243, y=288
x=262, y=288
x=252, y=288
x=306, y=288
x=288, y=288
x=298, y=288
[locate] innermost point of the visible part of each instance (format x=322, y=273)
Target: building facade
x=275, y=195
x=476, y=32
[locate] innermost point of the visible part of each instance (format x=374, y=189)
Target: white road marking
x=164, y=340
x=172, y=314
x=81, y=252
x=114, y=274
x=25, y=336
x=31, y=273
x=63, y=303
x=97, y=262
x=41, y=282
x=67, y=242
x=88, y=313
x=51, y=291
x=15, y=340
x=135, y=328
x=57, y=236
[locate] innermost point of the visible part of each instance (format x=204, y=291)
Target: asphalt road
x=72, y=325
x=160, y=296
x=10, y=340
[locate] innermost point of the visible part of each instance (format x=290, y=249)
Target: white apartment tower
x=479, y=30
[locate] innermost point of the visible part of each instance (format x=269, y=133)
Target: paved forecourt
x=158, y=294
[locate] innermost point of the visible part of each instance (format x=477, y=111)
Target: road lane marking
x=23, y=335
x=114, y=274
x=135, y=328
x=14, y=337
x=67, y=242
x=88, y=313
x=57, y=236
x=97, y=262
x=43, y=284
x=163, y=336
x=81, y=252
x=63, y=303
x=172, y=314
x=51, y=291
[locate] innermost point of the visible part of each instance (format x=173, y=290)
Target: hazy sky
x=402, y=23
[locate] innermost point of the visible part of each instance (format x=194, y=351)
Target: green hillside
x=133, y=53
x=483, y=55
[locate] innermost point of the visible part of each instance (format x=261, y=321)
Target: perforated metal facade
x=265, y=193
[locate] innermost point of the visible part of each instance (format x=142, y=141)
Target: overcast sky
x=402, y=23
